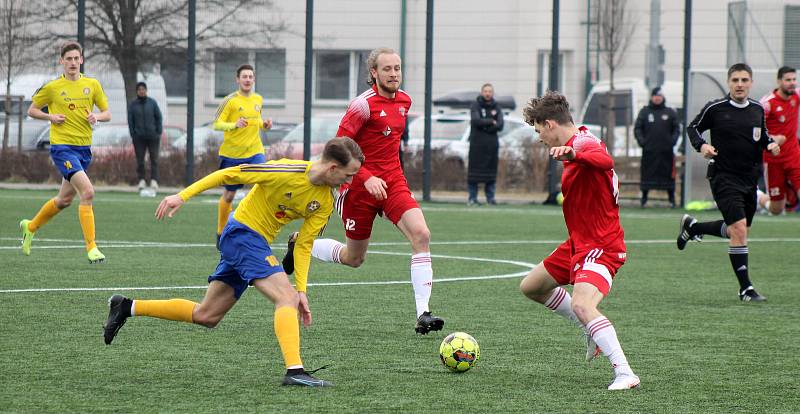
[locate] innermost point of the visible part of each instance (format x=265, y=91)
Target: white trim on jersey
x=599, y=269
x=700, y=121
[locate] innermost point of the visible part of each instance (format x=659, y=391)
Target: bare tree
x=135, y=34
x=16, y=48
x=615, y=29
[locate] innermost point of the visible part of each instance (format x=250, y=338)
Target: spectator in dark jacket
x=657, y=130
x=486, y=118
x=145, y=127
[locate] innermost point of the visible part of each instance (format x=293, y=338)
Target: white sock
x=605, y=336
x=133, y=307
x=422, y=280
x=560, y=302
x=327, y=250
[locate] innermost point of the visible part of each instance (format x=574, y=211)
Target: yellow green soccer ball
x=459, y=352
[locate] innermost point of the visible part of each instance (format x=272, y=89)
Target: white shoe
x=592, y=350
x=624, y=382
x=142, y=184
x=154, y=184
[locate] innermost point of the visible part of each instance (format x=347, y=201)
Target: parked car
x=115, y=139
x=450, y=134
x=323, y=128
x=31, y=131
x=207, y=138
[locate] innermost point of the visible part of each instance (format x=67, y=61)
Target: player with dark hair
x=738, y=138
x=239, y=115
x=376, y=120
x=782, y=172
x=70, y=100
x=595, y=248
x=283, y=191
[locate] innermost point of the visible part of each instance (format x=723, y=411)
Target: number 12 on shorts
x=350, y=225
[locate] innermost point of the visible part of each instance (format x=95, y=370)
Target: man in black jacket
x=738, y=138
x=657, y=131
x=486, y=120
x=145, y=127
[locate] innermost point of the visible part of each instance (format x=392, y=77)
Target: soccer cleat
x=95, y=256
x=427, y=323
x=27, y=237
x=117, y=315
x=685, y=235
x=154, y=185
x=592, y=350
x=624, y=382
x=750, y=295
x=288, y=260
x=142, y=184
x=305, y=379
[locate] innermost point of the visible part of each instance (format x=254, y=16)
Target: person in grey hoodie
x=145, y=127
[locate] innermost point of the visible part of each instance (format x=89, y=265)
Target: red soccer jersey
x=590, y=188
x=781, y=115
x=377, y=123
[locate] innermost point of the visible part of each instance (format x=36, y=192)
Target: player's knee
x=737, y=231
x=63, y=202
x=354, y=261
x=287, y=297
x=207, y=320
x=87, y=196
x=775, y=208
x=421, y=237
x=583, y=310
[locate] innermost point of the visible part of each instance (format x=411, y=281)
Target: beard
x=389, y=87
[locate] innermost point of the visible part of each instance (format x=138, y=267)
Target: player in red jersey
x=595, y=248
x=376, y=120
x=782, y=172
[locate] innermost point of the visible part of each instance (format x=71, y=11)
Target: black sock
x=127, y=304
x=295, y=371
x=644, y=196
x=714, y=228
x=738, y=256
x=671, y=196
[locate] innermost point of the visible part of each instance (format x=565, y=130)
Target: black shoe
x=119, y=309
x=750, y=295
x=305, y=379
x=427, y=323
x=491, y=202
x=288, y=260
x=685, y=234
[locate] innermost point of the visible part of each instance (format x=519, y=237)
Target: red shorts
x=782, y=178
x=594, y=266
x=358, y=207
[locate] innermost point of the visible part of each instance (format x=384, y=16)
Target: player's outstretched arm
x=169, y=206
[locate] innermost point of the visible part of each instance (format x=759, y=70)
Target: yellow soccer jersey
x=281, y=192
x=240, y=142
x=75, y=100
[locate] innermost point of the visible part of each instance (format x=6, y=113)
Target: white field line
x=525, y=265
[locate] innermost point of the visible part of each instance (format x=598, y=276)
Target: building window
x=225, y=65
x=737, y=12
x=173, y=70
x=271, y=74
x=339, y=75
x=791, y=32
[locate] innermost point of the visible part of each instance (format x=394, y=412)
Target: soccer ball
x=459, y=352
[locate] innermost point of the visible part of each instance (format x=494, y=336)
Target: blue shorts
x=225, y=162
x=245, y=257
x=70, y=159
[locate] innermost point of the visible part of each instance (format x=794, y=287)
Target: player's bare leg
x=541, y=287
x=412, y=224
x=586, y=298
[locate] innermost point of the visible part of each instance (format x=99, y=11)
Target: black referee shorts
x=735, y=196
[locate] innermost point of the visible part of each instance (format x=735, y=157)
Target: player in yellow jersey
x=283, y=191
x=239, y=116
x=70, y=100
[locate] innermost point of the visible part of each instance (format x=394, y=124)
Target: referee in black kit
x=738, y=138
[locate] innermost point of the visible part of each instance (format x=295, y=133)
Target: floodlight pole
x=426, y=156
x=552, y=84
x=308, y=67
x=82, y=26
x=687, y=64
x=190, y=61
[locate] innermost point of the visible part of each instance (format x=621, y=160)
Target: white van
x=631, y=94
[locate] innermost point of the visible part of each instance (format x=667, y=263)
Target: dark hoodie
x=483, y=144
